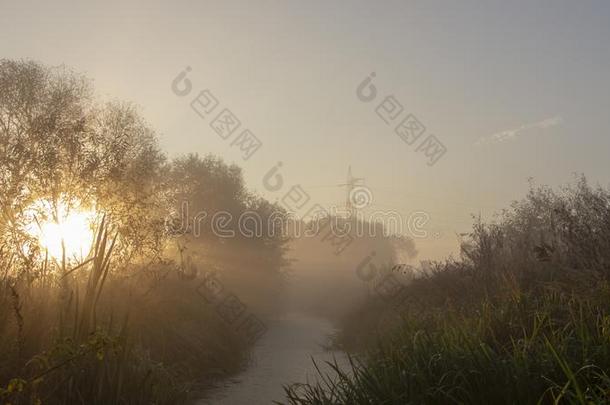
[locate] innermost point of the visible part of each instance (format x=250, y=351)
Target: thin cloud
x=512, y=134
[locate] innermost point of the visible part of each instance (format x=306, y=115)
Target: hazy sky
x=513, y=89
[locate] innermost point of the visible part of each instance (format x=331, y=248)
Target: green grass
x=522, y=318
x=146, y=340
x=546, y=349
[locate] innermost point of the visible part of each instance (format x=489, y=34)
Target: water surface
x=282, y=356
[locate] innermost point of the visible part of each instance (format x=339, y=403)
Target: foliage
x=522, y=318
x=61, y=150
x=58, y=146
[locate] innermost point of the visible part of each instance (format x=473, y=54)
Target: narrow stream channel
x=282, y=356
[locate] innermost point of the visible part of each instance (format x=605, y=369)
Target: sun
x=62, y=227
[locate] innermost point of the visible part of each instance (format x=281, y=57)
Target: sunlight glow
x=73, y=229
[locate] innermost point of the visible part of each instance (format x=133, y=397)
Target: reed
x=523, y=317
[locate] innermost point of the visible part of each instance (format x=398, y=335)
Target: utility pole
x=351, y=184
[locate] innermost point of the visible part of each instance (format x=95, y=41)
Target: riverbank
x=523, y=317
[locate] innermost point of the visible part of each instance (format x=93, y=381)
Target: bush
x=523, y=317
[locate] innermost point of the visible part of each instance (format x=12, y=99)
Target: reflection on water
x=282, y=356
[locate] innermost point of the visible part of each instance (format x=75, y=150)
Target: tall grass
x=523, y=317
x=123, y=326
x=539, y=350
x=84, y=335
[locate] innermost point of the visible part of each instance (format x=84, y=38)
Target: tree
x=59, y=146
x=204, y=187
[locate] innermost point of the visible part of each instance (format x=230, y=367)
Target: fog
x=238, y=202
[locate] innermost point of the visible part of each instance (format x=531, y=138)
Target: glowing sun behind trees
x=61, y=227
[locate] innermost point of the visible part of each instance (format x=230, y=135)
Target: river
x=282, y=356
